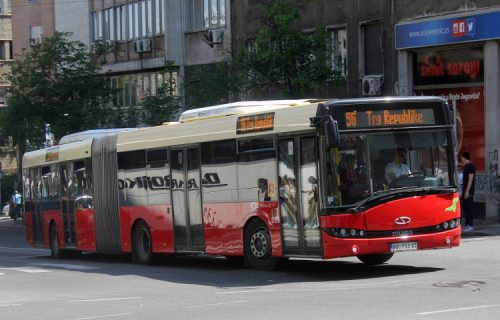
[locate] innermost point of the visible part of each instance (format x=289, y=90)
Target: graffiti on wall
x=489, y=183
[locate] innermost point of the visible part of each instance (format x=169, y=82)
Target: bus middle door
x=186, y=200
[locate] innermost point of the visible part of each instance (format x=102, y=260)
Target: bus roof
x=241, y=107
x=387, y=99
x=289, y=115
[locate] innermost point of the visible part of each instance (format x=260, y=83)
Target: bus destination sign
x=389, y=118
x=255, y=123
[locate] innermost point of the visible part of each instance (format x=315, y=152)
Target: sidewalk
x=483, y=230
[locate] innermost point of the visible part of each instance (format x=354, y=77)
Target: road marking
x=24, y=249
x=459, y=309
x=104, y=316
x=27, y=270
x=106, y=299
x=65, y=266
x=245, y=291
x=10, y=305
x=10, y=301
x=217, y=304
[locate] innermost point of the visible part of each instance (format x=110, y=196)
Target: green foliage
x=9, y=183
x=56, y=82
x=284, y=57
x=282, y=62
x=159, y=108
x=213, y=84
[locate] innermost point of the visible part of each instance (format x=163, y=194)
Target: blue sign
x=469, y=28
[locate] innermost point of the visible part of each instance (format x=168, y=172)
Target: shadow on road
x=202, y=270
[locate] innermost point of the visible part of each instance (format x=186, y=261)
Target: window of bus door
x=369, y=162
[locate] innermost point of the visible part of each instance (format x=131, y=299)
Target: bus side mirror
x=331, y=130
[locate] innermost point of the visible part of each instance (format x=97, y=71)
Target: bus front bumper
x=334, y=247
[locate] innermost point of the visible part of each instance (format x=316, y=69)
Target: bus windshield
x=368, y=163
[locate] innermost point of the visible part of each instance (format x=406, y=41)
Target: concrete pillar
x=405, y=74
x=492, y=132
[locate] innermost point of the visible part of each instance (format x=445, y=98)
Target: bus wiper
x=381, y=194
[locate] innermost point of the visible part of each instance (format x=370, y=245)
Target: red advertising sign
x=470, y=119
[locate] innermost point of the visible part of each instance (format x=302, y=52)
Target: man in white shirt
x=398, y=167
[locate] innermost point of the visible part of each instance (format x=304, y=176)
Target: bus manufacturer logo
x=402, y=220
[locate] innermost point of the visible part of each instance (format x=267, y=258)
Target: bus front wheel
x=374, y=259
x=258, y=246
x=142, y=251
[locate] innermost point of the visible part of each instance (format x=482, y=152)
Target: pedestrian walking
x=468, y=189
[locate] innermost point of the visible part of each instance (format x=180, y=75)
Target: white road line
x=11, y=301
x=27, y=270
x=65, y=266
x=245, y=291
x=459, y=309
x=104, y=316
x=106, y=299
x=24, y=249
x=217, y=304
x=10, y=305
x=1, y=274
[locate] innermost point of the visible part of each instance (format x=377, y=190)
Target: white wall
x=73, y=16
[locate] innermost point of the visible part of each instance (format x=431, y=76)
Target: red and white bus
x=259, y=180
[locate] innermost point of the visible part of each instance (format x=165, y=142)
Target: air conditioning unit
x=215, y=36
x=142, y=45
x=371, y=85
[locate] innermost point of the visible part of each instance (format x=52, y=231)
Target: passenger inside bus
x=353, y=180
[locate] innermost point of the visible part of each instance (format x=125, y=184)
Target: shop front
x=457, y=58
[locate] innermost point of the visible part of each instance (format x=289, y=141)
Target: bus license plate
x=403, y=246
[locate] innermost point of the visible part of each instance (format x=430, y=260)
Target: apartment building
x=6, y=53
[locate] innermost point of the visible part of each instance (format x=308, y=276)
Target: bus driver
x=398, y=167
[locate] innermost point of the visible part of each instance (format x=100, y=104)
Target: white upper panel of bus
x=290, y=115
x=66, y=152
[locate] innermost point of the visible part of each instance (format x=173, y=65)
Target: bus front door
x=186, y=200
x=298, y=190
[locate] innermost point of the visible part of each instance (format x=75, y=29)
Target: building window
x=3, y=97
x=373, y=54
x=338, y=56
x=131, y=21
x=206, y=14
x=36, y=34
x=6, y=50
x=131, y=89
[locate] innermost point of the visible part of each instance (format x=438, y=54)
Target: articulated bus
x=258, y=181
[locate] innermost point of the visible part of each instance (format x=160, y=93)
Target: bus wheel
x=258, y=247
x=142, y=251
x=374, y=259
x=55, y=250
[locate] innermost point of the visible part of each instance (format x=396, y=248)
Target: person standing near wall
x=468, y=189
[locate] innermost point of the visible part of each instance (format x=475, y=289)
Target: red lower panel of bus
x=29, y=227
x=159, y=220
x=85, y=229
x=224, y=225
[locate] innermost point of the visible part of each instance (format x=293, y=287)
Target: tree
x=284, y=57
x=57, y=82
x=160, y=107
x=282, y=62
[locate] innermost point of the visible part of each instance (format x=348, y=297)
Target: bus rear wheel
x=142, y=250
x=374, y=259
x=258, y=246
x=55, y=250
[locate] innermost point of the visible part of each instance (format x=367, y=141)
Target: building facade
x=6, y=54
x=451, y=49
x=31, y=21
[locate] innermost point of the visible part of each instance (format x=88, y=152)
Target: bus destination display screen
x=369, y=118
x=255, y=123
